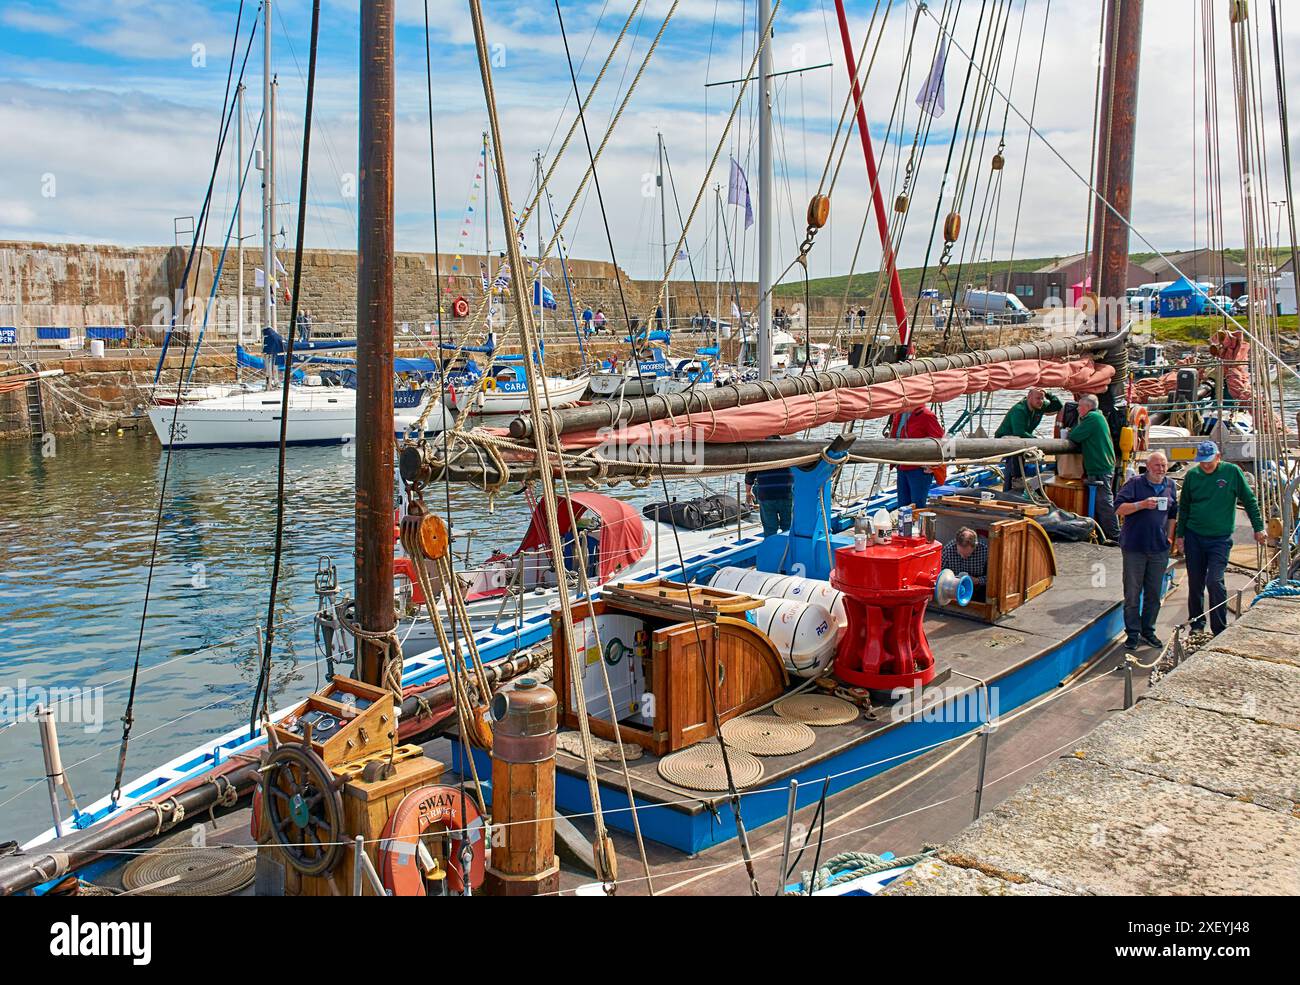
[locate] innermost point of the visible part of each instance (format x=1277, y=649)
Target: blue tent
x=1182, y=297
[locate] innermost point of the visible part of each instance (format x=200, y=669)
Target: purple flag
x=930, y=98
x=737, y=186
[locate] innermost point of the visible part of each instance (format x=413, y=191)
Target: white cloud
x=133, y=147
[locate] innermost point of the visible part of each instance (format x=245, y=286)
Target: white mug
x=1162, y=503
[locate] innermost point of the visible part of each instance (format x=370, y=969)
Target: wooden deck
x=911, y=803
x=1030, y=651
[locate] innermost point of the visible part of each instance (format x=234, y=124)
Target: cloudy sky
x=111, y=114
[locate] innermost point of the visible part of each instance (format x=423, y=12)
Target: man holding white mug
x=1148, y=506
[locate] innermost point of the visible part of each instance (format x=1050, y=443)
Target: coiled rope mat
x=700, y=767
x=218, y=870
x=817, y=709
x=601, y=751
x=768, y=735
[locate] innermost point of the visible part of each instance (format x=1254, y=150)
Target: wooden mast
x=373, y=548
x=1113, y=197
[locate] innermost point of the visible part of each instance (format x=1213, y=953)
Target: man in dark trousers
x=1148, y=505
x=1207, y=516
x=773, y=491
x=1022, y=421
x=1092, y=435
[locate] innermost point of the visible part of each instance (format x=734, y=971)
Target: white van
x=1147, y=297
x=997, y=306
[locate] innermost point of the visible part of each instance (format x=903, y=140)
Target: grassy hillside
x=864, y=284
x=1200, y=327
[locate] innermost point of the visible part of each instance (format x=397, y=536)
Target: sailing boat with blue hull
x=739, y=679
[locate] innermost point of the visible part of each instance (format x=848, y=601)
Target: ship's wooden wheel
x=304, y=809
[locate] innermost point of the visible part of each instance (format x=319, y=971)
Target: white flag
x=259, y=278
x=930, y=98
x=738, y=191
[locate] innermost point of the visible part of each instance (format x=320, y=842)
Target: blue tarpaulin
x=250, y=361
x=655, y=336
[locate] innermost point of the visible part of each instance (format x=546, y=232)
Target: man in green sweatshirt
x=1092, y=435
x=1022, y=421
x=1207, y=514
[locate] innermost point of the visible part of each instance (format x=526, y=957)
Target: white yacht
x=318, y=415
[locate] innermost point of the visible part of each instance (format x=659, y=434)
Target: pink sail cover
x=793, y=414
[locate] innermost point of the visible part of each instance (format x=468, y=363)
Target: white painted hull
x=317, y=416
x=609, y=384
x=562, y=392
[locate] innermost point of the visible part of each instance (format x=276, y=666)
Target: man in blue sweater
x=1148, y=505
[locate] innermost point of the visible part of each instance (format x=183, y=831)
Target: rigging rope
x=263, y=687
x=128, y=716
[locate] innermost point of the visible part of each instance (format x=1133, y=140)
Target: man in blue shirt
x=1148, y=505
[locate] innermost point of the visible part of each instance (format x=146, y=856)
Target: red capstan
x=886, y=589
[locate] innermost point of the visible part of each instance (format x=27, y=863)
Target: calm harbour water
x=75, y=535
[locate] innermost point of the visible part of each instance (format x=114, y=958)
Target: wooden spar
x=420, y=701
x=613, y=413
x=373, y=550
x=63, y=855
x=877, y=200
x=421, y=464
x=1113, y=198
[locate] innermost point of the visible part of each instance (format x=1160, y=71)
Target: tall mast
x=373, y=549
x=275, y=95
x=765, y=199
x=1117, y=139
x=268, y=182
x=663, y=226
x=487, y=232
x=541, y=308
x=239, y=225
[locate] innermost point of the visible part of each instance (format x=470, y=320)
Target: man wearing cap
x=1149, y=505
x=1092, y=435
x=1207, y=514
x=1022, y=421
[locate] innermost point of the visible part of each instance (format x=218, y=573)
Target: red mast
x=887, y=253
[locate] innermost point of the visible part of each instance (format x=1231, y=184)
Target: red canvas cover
x=622, y=530
x=794, y=414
